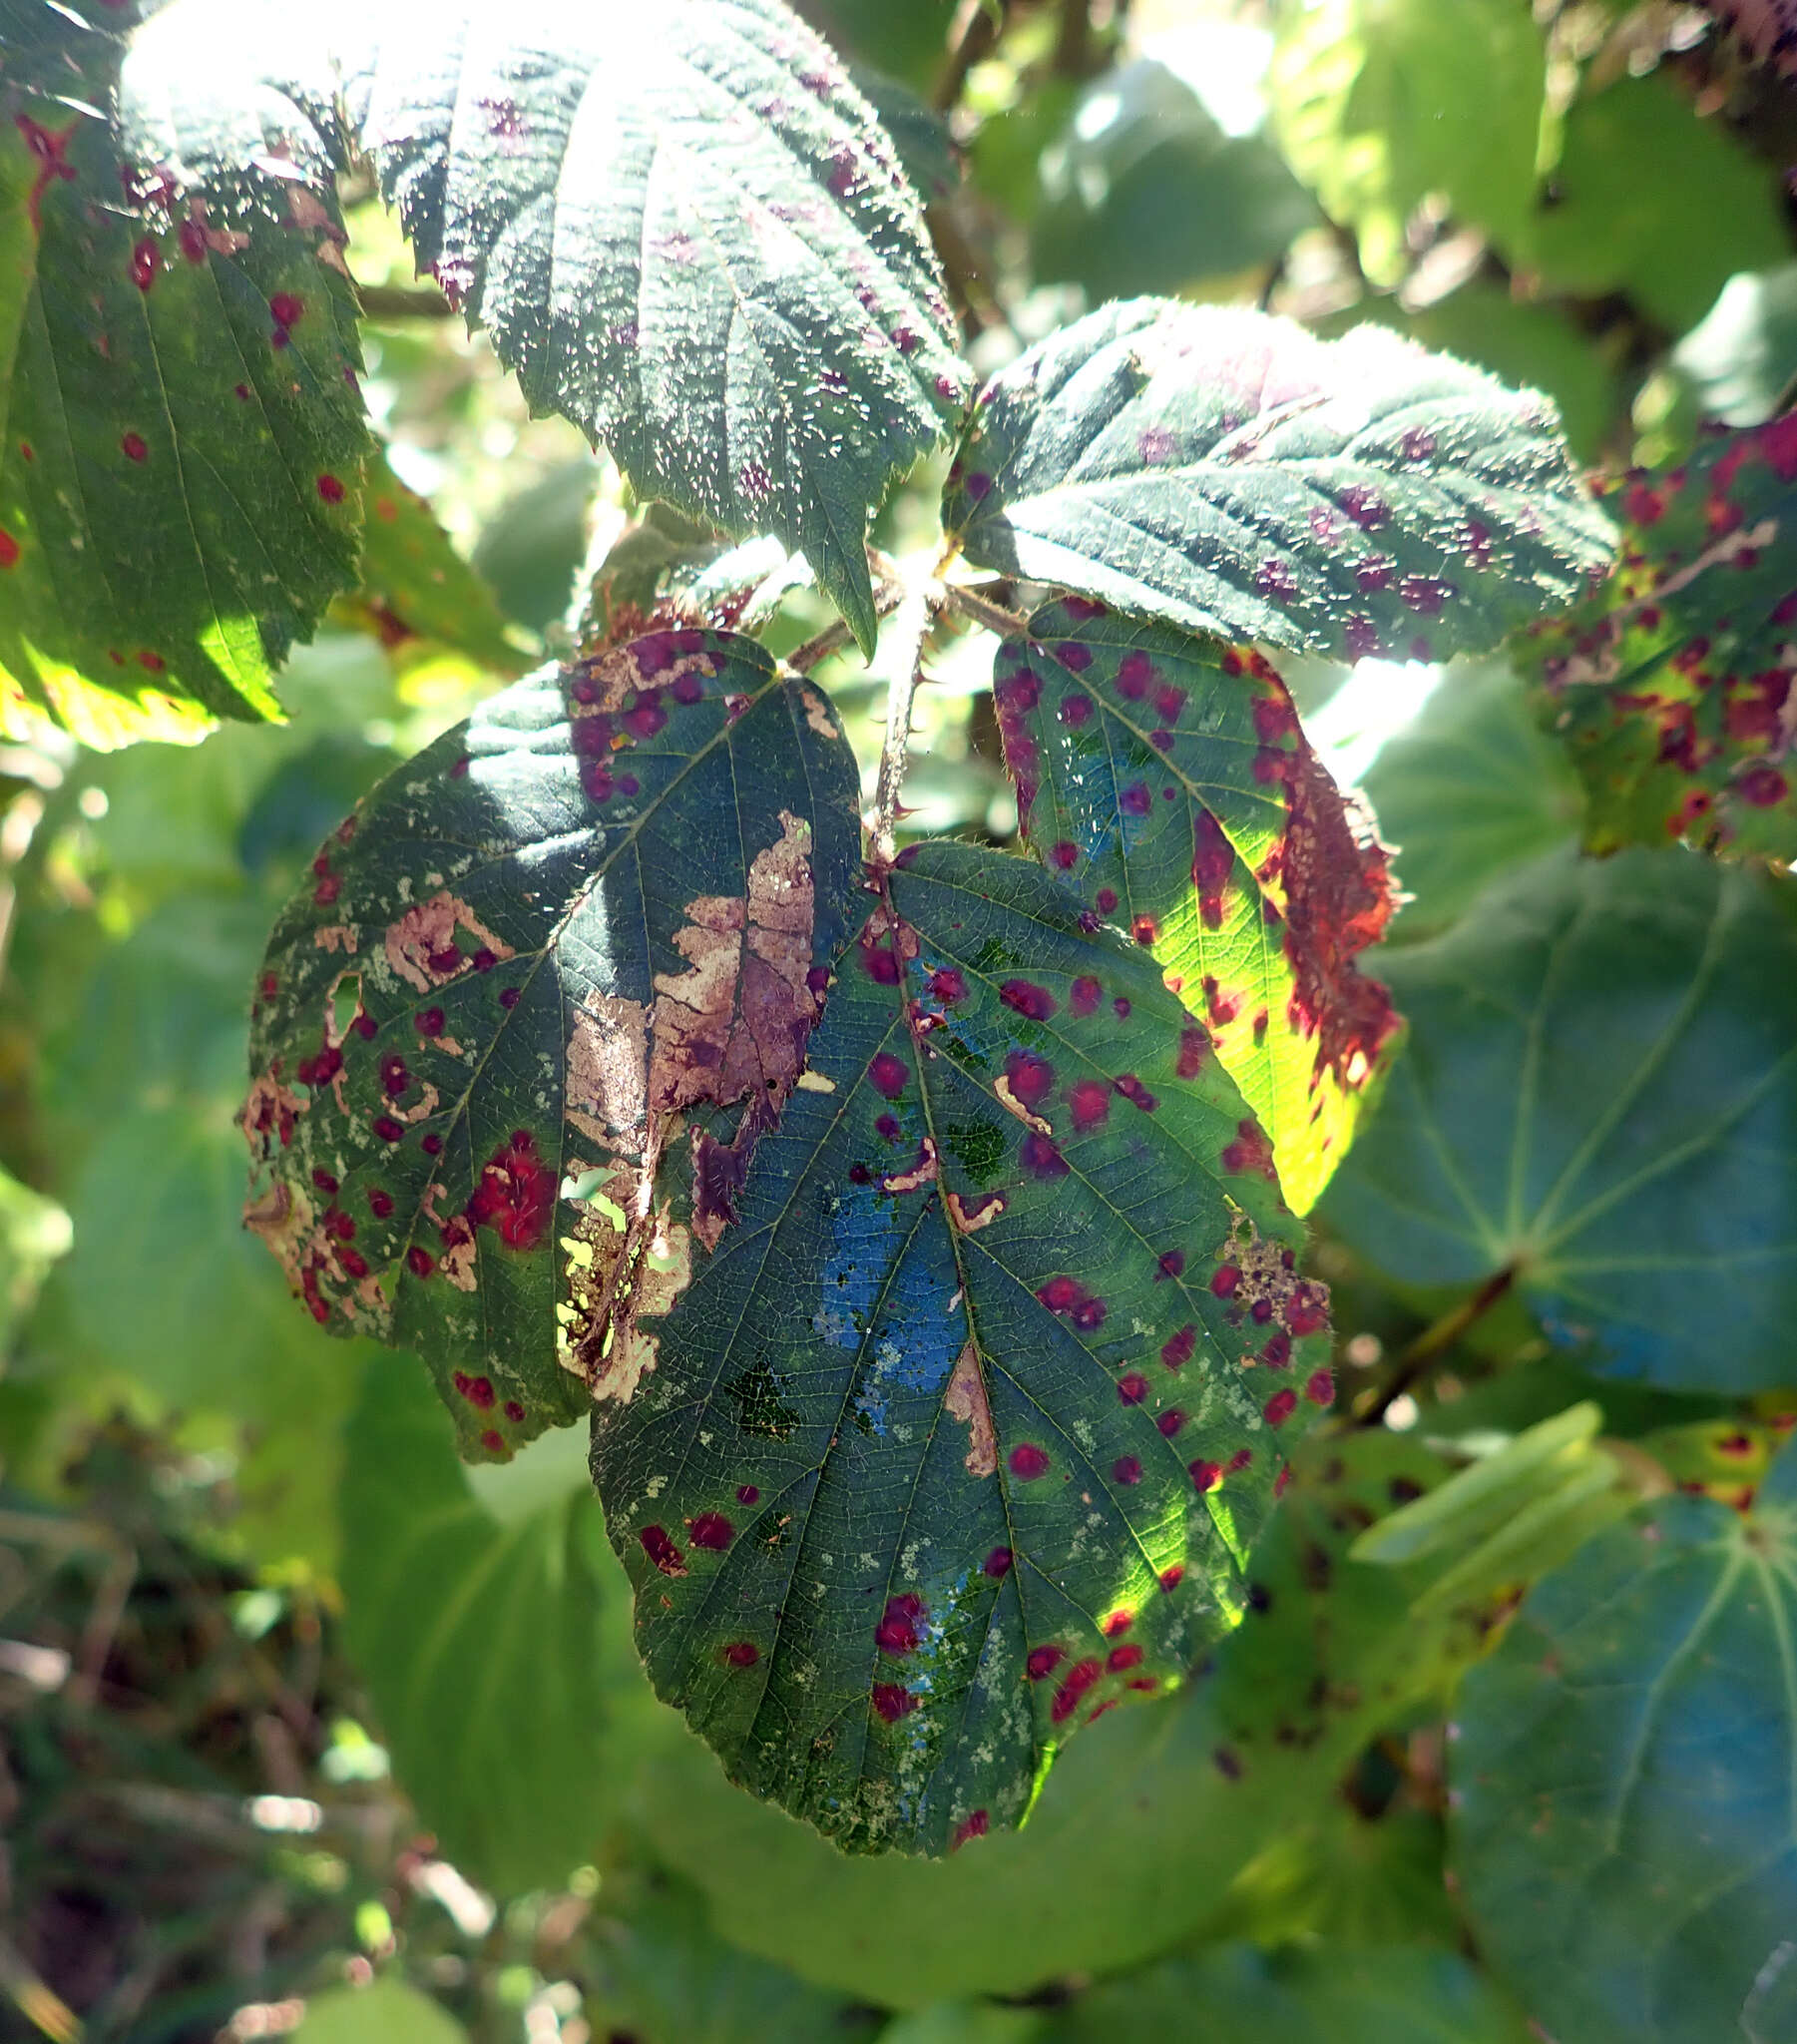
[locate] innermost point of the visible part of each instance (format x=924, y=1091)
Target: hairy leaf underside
x=963, y=1434
x=1672, y=683
x=515, y=1040
x=1165, y=780
x=180, y=432
x=684, y=228
x=1233, y=474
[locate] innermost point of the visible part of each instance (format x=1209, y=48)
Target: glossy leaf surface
x=180, y=432
x=963, y=1435
x=1624, y=1837
x=476, y=1628
x=1598, y=1089
x=1230, y=473
x=683, y=228
x=565, y=944
x=1165, y=780
x=1672, y=685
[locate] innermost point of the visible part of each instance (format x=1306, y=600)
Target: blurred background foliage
x=289, y=1701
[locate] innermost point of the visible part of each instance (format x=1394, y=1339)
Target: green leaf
x=1167, y=781
x=1597, y=1092
x=416, y=593
x=180, y=435
x=1143, y=1827
x=1623, y=1834
x=946, y=1451
x=1671, y=684
x=1145, y=192
x=1472, y=789
x=476, y=1632
x=1650, y=199
x=662, y=1975
x=1231, y=473
x=1741, y=356
x=35, y=1234
x=1305, y=1994
x=576, y=928
x=686, y=230
x=388, y=2011
x=1380, y=102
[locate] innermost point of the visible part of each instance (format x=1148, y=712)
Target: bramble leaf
x=502, y=1034
x=1141, y=1830
x=1599, y=1092
x=684, y=229
x=1672, y=685
x=180, y=435
x=950, y=1447
x=1623, y=1834
x=1230, y=473
x=1166, y=781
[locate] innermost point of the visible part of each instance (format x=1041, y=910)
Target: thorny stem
x=916, y=612
x=888, y=594
x=1434, y=1341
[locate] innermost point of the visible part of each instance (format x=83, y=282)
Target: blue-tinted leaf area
x=1229, y=472
x=516, y=1037
x=965, y=1432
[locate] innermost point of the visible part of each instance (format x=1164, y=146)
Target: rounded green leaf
x=1472, y=789
x=1623, y=1831
x=1231, y=473
x=684, y=229
x=963, y=1435
x=504, y=1036
x=476, y=1630
x=1165, y=780
x=1598, y=1091
x=1671, y=684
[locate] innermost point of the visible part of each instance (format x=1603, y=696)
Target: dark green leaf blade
x=684, y=229
x=1623, y=1831
x=1599, y=1090
x=1233, y=474
x=503, y=1034
x=1671, y=686
x=180, y=432
x=1167, y=781
x=949, y=1450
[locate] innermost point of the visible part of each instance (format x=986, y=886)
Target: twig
x=914, y=617
x=1073, y=45
x=403, y=301
x=995, y=618
x=1434, y=1341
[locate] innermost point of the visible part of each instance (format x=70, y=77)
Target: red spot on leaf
x=146, y=262
x=893, y=1701
x=1280, y=1408
x=740, y=1654
x=662, y=1551
x=998, y=1563
x=887, y=1074
x=1089, y=1100
x=897, y=1631
x=477, y=1390
x=1033, y=1002
x=1133, y=1390
x=1077, y=1680
x=331, y=489
x=1027, y=1461
x=516, y=1194
x=974, y=1827
x=711, y=1530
